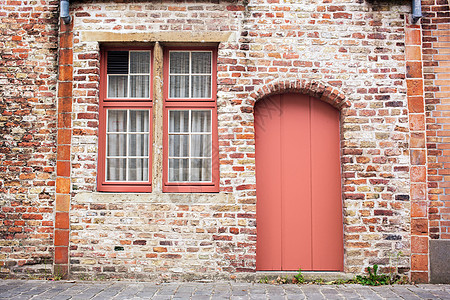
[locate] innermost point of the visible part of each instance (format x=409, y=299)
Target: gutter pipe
x=64, y=11
x=416, y=10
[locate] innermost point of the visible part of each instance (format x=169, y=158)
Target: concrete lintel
x=159, y=198
x=170, y=36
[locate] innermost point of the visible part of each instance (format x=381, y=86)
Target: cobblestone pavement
x=60, y=290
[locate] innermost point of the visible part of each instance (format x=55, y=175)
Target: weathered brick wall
x=436, y=56
x=436, y=71
x=28, y=68
x=353, y=48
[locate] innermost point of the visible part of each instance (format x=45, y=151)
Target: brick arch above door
x=317, y=89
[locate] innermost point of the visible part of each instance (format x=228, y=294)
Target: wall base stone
x=439, y=261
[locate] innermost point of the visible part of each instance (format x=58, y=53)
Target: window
x=188, y=106
x=190, y=134
x=125, y=121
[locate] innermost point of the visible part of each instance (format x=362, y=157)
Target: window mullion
x=129, y=76
x=190, y=76
x=190, y=145
x=127, y=142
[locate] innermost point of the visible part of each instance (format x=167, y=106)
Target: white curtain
x=127, y=145
x=190, y=145
x=117, y=86
x=134, y=80
x=190, y=75
x=201, y=84
x=178, y=145
x=201, y=145
x=140, y=84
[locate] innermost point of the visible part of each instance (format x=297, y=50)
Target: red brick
x=61, y=237
x=63, y=185
x=62, y=220
x=419, y=226
x=419, y=244
x=414, y=87
x=61, y=255
x=417, y=122
x=419, y=262
x=62, y=203
x=63, y=168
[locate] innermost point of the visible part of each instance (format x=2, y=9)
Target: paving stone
x=24, y=290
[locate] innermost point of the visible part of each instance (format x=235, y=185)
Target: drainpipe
x=416, y=10
x=64, y=11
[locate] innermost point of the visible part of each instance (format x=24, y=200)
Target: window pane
x=117, y=86
x=127, y=145
x=140, y=62
x=201, y=145
x=117, y=120
x=115, y=169
x=116, y=145
x=201, y=169
x=201, y=86
x=178, y=121
x=179, y=86
x=179, y=62
x=139, y=121
x=138, y=145
x=137, y=169
x=139, y=86
x=201, y=121
x=178, y=169
x=117, y=62
x=178, y=145
x=201, y=62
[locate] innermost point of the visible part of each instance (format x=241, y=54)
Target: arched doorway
x=298, y=184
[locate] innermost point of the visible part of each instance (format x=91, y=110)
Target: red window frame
x=191, y=104
x=121, y=103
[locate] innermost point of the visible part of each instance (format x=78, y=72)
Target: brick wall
x=341, y=51
x=28, y=61
x=349, y=53
x=436, y=56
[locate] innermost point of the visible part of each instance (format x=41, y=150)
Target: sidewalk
x=39, y=289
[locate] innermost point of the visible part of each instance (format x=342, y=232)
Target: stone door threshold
x=308, y=275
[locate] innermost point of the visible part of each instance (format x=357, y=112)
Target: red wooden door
x=298, y=184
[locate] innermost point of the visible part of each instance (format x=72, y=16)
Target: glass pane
x=115, y=169
x=201, y=169
x=179, y=86
x=179, y=62
x=201, y=62
x=178, y=169
x=201, y=145
x=138, y=145
x=140, y=62
x=139, y=121
x=117, y=120
x=137, y=169
x=178, y=145
x=117, y=86
x=117, y=62
x=201, y=121
x=178, y=121
x=116, y=145
x=201, y=86
x=139, y=86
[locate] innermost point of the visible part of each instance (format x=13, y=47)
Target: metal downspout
x=64, y=11
x=416, y=10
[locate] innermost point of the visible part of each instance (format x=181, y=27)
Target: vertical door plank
x=268, y=180
x=327, y=236
x=295, y=182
